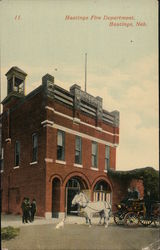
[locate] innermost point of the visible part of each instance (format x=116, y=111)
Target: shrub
x=8, y=233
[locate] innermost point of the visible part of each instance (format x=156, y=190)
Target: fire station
x=55, y=143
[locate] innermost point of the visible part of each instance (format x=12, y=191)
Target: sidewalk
x=16, y=220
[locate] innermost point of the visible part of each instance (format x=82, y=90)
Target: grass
x=8, y=233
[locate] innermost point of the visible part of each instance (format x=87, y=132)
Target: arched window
x=102, y=191
x=73, y=183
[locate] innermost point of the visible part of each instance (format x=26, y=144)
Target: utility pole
x=85, y=72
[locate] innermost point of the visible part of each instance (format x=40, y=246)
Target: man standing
x=33, y=209
x=24, y=210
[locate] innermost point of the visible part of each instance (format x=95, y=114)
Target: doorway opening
x=73, y=187
x=55, y=197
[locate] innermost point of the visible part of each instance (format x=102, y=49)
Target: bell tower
x=16, y=81
x=15, y=87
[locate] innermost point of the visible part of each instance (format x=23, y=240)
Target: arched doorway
x=55, y=197
x=102, y=191
x=74, y=186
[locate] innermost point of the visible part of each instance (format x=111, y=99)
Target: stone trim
x=33, y=163
x=82, y=135
x=78, y=165
x=47, y=122
x=76, y=120
x=49, y=108
x=61, y=162
x=61, y=215
x=61, y=114
x=96, y=169
x=48, y=160
x=16, y=167
x=48, y=215
x=100, y=129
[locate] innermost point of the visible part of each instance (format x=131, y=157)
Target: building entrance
x=55, y=197
x=73, y=187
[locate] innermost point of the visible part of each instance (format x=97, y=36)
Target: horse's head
x=79, y=199
x=75, y=199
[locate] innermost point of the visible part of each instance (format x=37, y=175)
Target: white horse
x=90, y=208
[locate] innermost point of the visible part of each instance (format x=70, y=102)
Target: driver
x=128, y=197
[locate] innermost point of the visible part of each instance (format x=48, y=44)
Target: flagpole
x=85, y=72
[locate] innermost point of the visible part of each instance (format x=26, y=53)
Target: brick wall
x=27, y=180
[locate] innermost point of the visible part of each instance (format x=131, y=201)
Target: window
x=34, y=147
x=60, y=145
x=94, y=154
x=1, y=159
x=107, y=156
x=78, y=150
x=17, y=153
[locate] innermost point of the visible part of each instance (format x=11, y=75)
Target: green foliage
x=149, y=175
x=8, y=233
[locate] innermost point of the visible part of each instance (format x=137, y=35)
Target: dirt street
x=81, y=237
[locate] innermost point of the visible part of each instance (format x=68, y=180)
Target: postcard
x=79, y=125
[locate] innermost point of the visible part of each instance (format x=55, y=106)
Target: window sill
x=96, y=169
x=48, y=160
x=16, y=167
x=105, y=170
x=61, y=162
x=78, y=165
x=33, y=163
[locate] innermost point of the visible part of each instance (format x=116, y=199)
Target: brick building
x=54, y=143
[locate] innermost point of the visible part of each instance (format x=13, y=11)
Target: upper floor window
x=107, y=157
x=78, y=150
x=34, y=147
x=2, y=159
x=17, y=153
x=60, y=145
x=94, y=154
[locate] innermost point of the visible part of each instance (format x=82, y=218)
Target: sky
x=122, y=60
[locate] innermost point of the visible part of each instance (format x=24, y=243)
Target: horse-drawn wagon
x=135, y=212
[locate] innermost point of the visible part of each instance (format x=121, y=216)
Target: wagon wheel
x=131, y=219
x=145, y=221
x=119, y=219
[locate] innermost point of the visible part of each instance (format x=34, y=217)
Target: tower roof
x=16, y=69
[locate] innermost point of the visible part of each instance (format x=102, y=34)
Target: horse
x=90, y=208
